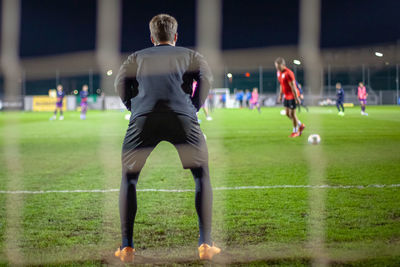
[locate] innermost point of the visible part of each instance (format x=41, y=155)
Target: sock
x=61, y=112
x=128, y=206
x=295, y=129
x=203, y=203
x=299, y=123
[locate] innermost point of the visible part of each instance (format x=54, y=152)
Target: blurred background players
x=84, y=98
x=289, y=90
x=254, y=100
x=301, y=96
x=59, y=103
x=239, y=98
x=247, y=98
x=339, y=98
x=362, y=97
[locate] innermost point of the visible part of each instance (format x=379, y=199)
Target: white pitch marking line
x=215, y=189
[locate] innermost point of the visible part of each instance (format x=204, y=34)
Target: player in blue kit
x=339, y=98
x=84, y=98
x=239, y=98
x=59, y=103
x=247, y=97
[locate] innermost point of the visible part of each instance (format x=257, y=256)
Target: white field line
x=215, y=189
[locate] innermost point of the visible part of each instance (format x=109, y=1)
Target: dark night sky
x=60, y=26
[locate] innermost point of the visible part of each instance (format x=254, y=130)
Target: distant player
x=301, y=95
x=223, y=100
x=289, y=90
x=362, y=97
x=210, y=101
x=59, y=103
x=339, y=98
x=247, y=96
x=254, y=100
x=239, y=98
x=84, y=98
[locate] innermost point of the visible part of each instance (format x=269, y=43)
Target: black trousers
x=142, y=136
x=339, y=104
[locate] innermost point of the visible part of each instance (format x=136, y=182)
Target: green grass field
x=252, y=226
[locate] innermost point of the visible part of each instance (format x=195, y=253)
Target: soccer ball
x=314, y=139
x=127, y=117
x=283, y=112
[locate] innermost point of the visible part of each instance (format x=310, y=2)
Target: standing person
x=339, y=98
x=84, y=98
x=248, y=97
x=223, y=100
x=239, y=98
x=289, y=90
x=59, y=103
x=362, y=97
x=301, y=96
x=155, y=84
x=254, y=100
x=210, y=101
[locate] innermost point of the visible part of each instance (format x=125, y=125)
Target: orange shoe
x=127, y=254
x=207, y=252
x=294, y=135
x=302, y=127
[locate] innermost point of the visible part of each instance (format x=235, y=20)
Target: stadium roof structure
x=80, y=63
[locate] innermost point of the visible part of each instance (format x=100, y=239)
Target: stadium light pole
x=329, y=79
x=260, y=80
x=363, y=73
x=108, y=41
x=309, y=46
x=91, y=90
x=208, y=35
x=397, y=84
x=108, y=57
x=10, y=63
x=57, y=78
x=208, y=42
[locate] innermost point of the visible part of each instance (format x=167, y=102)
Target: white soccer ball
x=127, y=117
x=314, y=139
x=283, y=112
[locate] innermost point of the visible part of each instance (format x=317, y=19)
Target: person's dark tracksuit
x=155, y=84
x=302, y=102
x=340, y=99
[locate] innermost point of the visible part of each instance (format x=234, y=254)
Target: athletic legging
x=128, y=204
x=338, y=105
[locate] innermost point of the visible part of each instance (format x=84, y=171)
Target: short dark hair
x=163, y=28
x=280, y=61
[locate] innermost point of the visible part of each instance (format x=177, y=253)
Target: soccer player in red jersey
x=289, y=90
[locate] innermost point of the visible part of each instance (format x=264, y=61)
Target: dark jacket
x=160, y=79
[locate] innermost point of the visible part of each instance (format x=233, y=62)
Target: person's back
x=160, y=79
x=156, y=85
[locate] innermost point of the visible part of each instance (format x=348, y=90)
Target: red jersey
x=284, y=78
